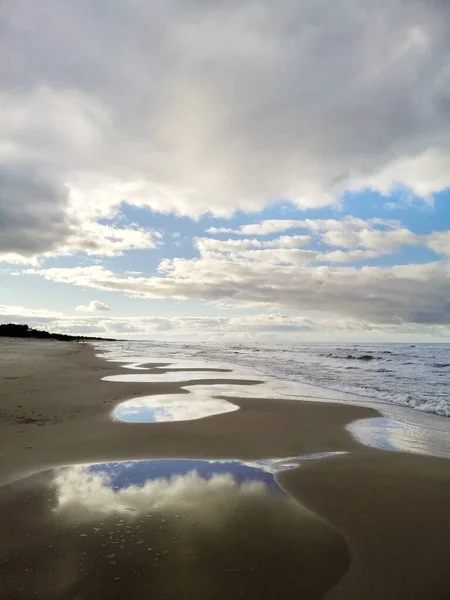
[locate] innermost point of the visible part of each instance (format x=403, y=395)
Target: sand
x=388, y=511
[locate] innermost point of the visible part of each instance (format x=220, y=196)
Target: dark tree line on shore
x=24, y=331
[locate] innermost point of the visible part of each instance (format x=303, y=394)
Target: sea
x=412, y=375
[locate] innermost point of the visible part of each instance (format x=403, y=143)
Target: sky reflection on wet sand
x=171, y=407
x=163, y=528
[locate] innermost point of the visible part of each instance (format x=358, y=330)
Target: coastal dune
x=388, y=510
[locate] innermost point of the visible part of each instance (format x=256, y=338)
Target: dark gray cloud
x=32, y=212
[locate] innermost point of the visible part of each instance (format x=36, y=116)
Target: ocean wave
x=408, y=381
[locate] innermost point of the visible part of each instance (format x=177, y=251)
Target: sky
x=211, y=170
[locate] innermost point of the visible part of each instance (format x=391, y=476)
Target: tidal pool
x=392, y=433
x=176, y=376
x=173, y=407
x=163, y=529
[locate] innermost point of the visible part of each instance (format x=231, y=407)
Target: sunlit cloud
x=93, y=306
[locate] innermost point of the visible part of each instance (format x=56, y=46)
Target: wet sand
x=388, y=510
x=55, y=409
x=72, y=536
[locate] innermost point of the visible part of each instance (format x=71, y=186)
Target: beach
x=377, y=522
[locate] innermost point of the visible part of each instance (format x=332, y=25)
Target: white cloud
x=94, y=306
x=198, y=107
x=13, y=312
x=106, y=240
x=373, y=239
x=341, y=256
x=407, y=293
x=288, y=241
x=361, y=238
x=262, y=228
x=91, y=238
x=423, y=174
x=281, y=250
x=439, y=242
x=210, y=246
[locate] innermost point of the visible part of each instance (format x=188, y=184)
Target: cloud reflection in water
x=164, y=528
x=173, y=407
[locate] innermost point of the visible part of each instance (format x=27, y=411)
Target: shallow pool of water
x=163, y=529
x=394, y=432
x=171, y=407
x=175, y=376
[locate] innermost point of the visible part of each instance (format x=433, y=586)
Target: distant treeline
x=24, y=331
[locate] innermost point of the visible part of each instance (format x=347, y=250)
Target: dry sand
x=389, y=511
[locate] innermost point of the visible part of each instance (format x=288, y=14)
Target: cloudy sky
x=188, y=169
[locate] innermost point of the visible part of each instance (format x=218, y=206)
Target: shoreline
x=390, y=507
x=290, y=369
x=395, y=427
x=77, y=426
